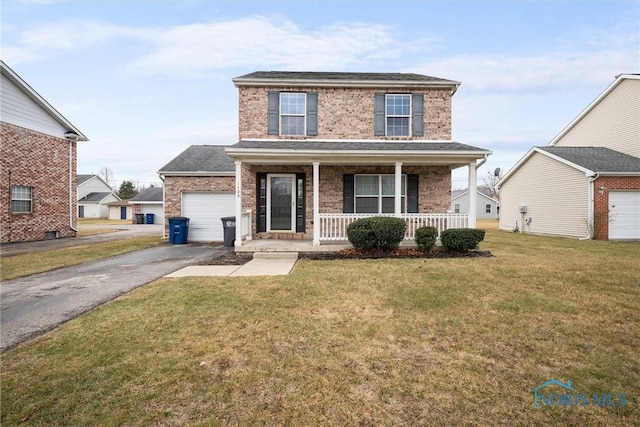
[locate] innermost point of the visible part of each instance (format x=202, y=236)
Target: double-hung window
x=487, y=208
x=376, y=193
x=21, y=199
x=293, y=108
x=398, y=115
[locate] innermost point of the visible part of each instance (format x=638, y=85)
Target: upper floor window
x=398, y=114
x=292, y=113
x=21, y=199
x=293, y=109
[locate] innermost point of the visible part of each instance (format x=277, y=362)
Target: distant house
x=200, y=184
x=586, y=182
x=148, y=201
x=94, y=196
x=120, y=210
x=38, y=159
x=486, y=207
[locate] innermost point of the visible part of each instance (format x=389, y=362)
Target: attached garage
x=204, y=210
x=624, y=215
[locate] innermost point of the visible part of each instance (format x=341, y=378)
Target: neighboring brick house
x=318, y=150
x=38, y=158
x=586, y=182
x=200, y=184
x=94, y=197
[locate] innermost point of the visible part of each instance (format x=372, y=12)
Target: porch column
x=316, y=203
x=397, y=209
x=473, y=192
x=238, y=242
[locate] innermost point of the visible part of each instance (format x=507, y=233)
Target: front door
x=281, y=202
x=123, y=212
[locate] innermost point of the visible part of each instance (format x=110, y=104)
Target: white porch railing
x=333, y=226
x=245, y=225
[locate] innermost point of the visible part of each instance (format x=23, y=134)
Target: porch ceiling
x=453, y=154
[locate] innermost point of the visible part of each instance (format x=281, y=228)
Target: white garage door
x=624, y=215
x=204, y=211
x=156, y=209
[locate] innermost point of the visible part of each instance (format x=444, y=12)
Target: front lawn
x=352, y=342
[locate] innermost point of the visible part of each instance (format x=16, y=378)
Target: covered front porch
x=302, y=192
x=333, y=232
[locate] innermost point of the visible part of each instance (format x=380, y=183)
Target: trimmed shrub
x=379, y=232
x=426, y=238
x=461, y=239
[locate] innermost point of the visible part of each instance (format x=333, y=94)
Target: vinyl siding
x=556, y=196
x=481, y=201
x=93, y=185
x=18, y=109
x=613, y=123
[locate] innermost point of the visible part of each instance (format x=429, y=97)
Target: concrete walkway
x=262, y=264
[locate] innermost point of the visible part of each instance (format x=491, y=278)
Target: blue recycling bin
x=178, y=230
x=150, y=218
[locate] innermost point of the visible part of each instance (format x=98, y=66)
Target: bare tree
x=107, y=176
x=490, y=186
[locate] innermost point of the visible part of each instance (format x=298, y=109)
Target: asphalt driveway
x=32, y=305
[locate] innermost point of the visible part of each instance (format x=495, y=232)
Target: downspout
x=483, y=161
x=71, y=137
x=590, y=214
x=164, y=211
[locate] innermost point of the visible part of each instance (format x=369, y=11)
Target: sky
x=143, y=80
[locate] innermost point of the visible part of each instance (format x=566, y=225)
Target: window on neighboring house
x=487, y=208
x=375, y=193
x=293, y=108
x=21, y=199
x=398, y=114
x=456, y=208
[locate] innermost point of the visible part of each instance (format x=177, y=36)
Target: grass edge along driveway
x=354, y=342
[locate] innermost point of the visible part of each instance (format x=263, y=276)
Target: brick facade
x=434, y=190
x=174, y=186
x=601, y=201
x=343, y=113
x=40, y=161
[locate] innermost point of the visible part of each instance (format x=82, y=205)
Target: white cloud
x=270, y=42
x=71, y=36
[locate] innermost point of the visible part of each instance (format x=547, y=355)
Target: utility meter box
x=523, y=209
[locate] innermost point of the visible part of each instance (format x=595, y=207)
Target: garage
x=156, y=209
x=624, y=215
x=204, y=210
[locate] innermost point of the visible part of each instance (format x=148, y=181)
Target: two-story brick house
x=318, y=150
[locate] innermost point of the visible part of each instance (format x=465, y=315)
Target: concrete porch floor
x=274, y=245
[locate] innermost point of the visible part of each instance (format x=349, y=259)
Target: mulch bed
x=233, y=258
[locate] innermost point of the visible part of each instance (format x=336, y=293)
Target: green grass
x=354, y=342
x=25, y=265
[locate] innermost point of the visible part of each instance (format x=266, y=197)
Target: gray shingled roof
x=83, y=178
x=200, y=158
x=358, y=145
x=151, y=194
x=596, y=159
x=363, y=77
x=95, y=197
